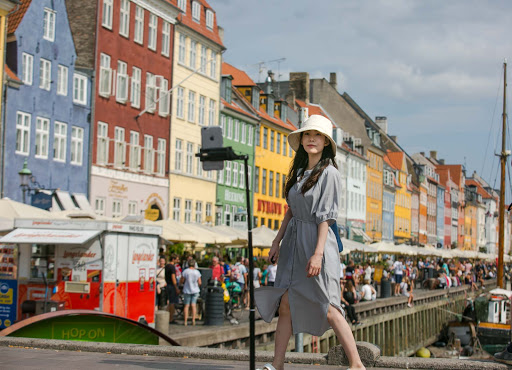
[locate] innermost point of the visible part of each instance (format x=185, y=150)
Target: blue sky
x=434, y=68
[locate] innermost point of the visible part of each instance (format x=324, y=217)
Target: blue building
x=47, y=109
x=440, y=215
x=388, y=203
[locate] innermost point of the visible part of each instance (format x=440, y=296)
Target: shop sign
x=151, y=214
x=42, y=200
x=8, y=300
x=266, y=206
x=231, y=196
x=117, y=189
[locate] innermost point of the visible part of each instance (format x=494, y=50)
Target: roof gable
x=15, y=18
x=240, y=78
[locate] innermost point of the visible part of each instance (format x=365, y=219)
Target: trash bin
x=214, y=314
x=385, y=288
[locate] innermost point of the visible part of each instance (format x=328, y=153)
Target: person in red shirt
x=217, y=270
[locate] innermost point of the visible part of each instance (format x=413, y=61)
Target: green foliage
x=177, y=248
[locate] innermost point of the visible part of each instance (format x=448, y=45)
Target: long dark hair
x=300, y=161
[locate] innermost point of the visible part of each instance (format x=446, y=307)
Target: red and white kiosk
x=85, y=264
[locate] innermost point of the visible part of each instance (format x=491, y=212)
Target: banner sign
x=8, y=300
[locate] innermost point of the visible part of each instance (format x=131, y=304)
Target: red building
x=457, y=176
x=128, y=47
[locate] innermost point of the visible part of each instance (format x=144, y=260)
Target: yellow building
x=196, y=103
x=403, y=194
x=374, y=170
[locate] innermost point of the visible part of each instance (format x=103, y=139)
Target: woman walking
x=307, y=286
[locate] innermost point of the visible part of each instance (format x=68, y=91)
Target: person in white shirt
x=368, y=272
x=191, y=279
x=271, y=277
x=342, y=271
x=368, y=292
x=398, y=267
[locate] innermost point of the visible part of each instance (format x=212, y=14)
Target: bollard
x=162, y=321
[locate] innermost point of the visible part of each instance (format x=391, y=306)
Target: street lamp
x=25, y=175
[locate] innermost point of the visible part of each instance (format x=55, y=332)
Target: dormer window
x=182, y=4
x=196, y=11
x=226, y=89
x=209, y=19
x=255, y=98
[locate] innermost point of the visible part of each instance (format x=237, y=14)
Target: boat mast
x=503, y=160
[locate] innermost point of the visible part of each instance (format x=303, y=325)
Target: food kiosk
x=79, y=264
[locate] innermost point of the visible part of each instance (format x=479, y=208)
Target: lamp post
x=25, y=175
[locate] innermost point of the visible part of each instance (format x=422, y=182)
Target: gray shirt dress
x=309, y=298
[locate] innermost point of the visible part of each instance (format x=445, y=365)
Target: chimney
x=394, y=138
x=433, y=154
x=382, y=122
x=290, y=99
x=299, y=82
x=441, y=162
x=333, y=80
x=221, y=33
x=422, y=153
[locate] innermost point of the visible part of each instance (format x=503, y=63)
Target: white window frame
x=188, y=211
x=223, y=124
x=119, y=147
x=102, y=143
x=124, y=18
x=244, y=132
x=106, y=20
x=180, y=103
x=42, y=137
x=250, y=135
x=176, y=209
x=234, y=181
x=62, y=80
x=150, y=92
x=227, y=177
x=45, y=74
x=192, y=55
x=27, y=65
x=178, y=156
x=189, y=162
x=196, y=11
x=122, y=82
x=135, y=87
x=152, y=32
x=99, y=206
x=77, y=145
x=213, y=65
x=105, y=82
x=182, y=4
x=49, y=24
x=117, y=208
x=149, y=154
x=211, y=112
x=132, y=208
x=160, y=157
x=229, y=129
x=191, y=114
x=182, y=49
x=241, y=183
x=138, y=35
x=79, y=89
x=135, y=150
x=236, y=137
x=60, y=134
x=199, y=212
x=164, y=98
x=209, y=19
x=202, y=59
x=199, y=165
x=166, y=38
x=201, y=110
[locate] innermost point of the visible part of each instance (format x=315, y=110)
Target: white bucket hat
x=314, y=122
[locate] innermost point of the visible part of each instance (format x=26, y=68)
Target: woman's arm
x=315, y=262
x=273, y=254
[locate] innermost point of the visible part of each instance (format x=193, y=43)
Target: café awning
x=49, y=236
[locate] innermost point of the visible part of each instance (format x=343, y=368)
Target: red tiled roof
x=444, y=175
x=480, y=189
x=235, y=107
x=455, y=172
x=11, y=74
x=15, y=18
x=240, y=78
x=397, y=159
x=386, y=159
x=186, y=19
x=313, y=109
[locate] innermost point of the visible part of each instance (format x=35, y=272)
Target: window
x=117, y=208
x=45, y=74
x=62, y=80
x=213, y=65
x=265, y=138
x=160, y=157
x=122, y=82
x=139, y=25
x=191, y=106
x=196, y=11
x=249, y=178
x=235, y=174
x=227, y=215
x=190, y=158
x=242, y=176
x=153, y=24
x=211, y=113
x=209, y=19
x=179, y=102
x=199, y=212
x=249, y=138
x=77, y=145
x=119, y=147
x=42, y=136
x=244, y=133
x=237, y=130
x=220, y=177
x=178, y=155
x=164, y=98
x=99, y=206
x=59, y=141
x=107, y=14
x=27, y=66
x=202, y=60
x=182, y=49
x=271, y=183
x=134, y=150
x=230, y=128
x=192, y=56
x=182, y=4
x=49, y=24
x=284, y=184
x=208, y=212
x=124, y=18
x=223, y=124
x=278, y=144
x=102, y=153
x=188, y=211
x=150, y=92
x=176, y=208
x=135, y=98
x=42, y=261
x=272, y=142
x=264, y=182
x=105, y=76
x=202, y=108
x=256, y=179
x=149, y=154
x=199, y=168
x=79, y=89
x=132, y=208
x=166, y=38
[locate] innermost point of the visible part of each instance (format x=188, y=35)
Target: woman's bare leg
x=194, y=311
x=344, y=334
x=185, y=313
x=283, y=333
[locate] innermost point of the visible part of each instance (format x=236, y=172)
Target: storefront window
x=8, y=261
x=42, y=261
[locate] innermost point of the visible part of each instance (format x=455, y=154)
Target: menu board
x=8, y=261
